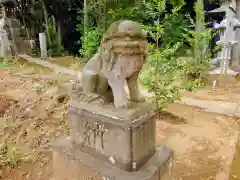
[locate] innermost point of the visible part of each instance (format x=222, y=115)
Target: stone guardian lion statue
x=121, y=55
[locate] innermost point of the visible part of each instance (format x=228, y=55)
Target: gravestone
x=110, y=137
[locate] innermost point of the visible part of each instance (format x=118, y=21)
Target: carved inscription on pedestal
x=93, y=131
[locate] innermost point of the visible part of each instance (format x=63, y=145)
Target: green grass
x=3, y=64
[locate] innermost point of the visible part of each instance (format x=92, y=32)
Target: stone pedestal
x=73, y=164
x=109, y=142
x=124, y=138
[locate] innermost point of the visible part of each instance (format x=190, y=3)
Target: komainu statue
x=121, y=55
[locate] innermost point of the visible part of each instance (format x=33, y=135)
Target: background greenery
x=67, y=17
x=178, y=37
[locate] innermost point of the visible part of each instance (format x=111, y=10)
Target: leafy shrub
x=90, y=42
x=54, y=48
x=162, y=75
x=175, y=25
x=198, y=39
x=128, y=12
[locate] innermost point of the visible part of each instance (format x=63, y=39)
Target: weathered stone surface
x=124, y=138
x=73, y=164
x=122, y=53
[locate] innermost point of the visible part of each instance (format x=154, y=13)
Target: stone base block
x=72, y=164
x=124, y=138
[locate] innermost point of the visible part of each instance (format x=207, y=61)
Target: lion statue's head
x=124, y=37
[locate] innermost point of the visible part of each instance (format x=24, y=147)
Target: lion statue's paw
x=103, y=100
x=138, y=99
x=123, y=104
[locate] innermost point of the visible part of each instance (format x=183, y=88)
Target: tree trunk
x=13, y=39
x=59, y=37
x=199, y=27
x=24, y=21
x=85, y=16
x=46, y=22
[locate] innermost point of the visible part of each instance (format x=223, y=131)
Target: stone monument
x=9, y=23
x=112, y=136
x=227, y=41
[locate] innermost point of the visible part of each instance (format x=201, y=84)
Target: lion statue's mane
x=128, y=40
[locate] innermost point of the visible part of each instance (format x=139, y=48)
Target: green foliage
x=154, y=9
x=175, y=25
x=37, y=87
x=104, y=12
x=3, y=64
x=163, y=73
x=128, y=12
x=54, y=48
x=167, y=76
x=90, y=42
x=198, y=39
x=177, y=2
x=101, y=14
x=162, y=76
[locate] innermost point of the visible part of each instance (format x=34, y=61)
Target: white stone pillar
x=43, y=45
x=5, y=45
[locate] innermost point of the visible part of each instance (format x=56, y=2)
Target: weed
x=37, y=124
x=4, y=63
x=37, y=87
x=8, y=124
x=11, y=125
x=9, y=156
x=58, y=79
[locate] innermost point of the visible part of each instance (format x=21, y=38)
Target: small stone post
x=5, y=46
x=43, y=45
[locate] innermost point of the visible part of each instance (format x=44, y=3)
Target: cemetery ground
x=33, y=112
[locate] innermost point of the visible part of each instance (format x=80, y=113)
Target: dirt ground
x=33, y=112
x=69, y=62
x=203, y=143
x=228, y=93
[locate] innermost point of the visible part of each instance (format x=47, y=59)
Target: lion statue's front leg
x=133, y=87
x=95, y=84
x=117, y=85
